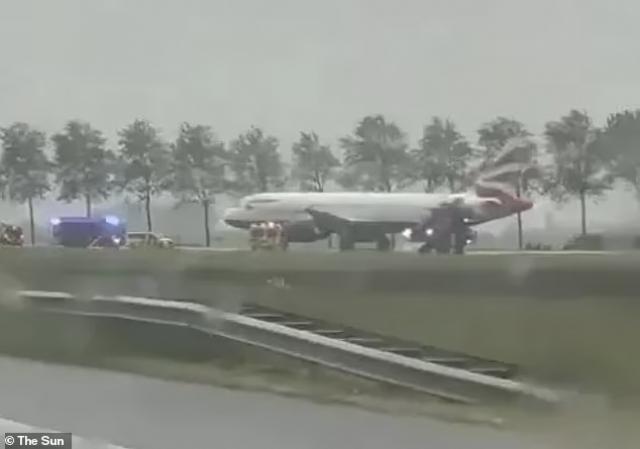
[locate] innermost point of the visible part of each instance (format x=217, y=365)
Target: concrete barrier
x=450, y=383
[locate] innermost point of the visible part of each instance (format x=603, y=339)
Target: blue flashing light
x=55, y=221
x=112, y=220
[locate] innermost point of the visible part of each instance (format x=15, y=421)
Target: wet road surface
x=139, y=412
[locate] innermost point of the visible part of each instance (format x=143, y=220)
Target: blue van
x=83, y=232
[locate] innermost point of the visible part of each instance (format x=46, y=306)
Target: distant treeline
x=579, y=161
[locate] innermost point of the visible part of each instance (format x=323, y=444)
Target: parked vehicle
x=148, y=239
x=11, y=235
x=268, y=236
x=89, y=232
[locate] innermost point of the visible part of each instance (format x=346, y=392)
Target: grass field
x=569, y=319
x=588, y=343
x=177, y=354
x=590, y=422
x=537, y=275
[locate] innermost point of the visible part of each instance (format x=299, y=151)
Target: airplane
x=442, y=222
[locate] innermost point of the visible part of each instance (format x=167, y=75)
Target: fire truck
x=269, y=236
x=11, y=235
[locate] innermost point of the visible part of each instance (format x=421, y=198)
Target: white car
x=148, y=239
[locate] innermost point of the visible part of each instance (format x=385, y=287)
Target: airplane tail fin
x=500, y=176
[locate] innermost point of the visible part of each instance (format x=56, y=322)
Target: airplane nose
x=231, y=216
x=229, y=212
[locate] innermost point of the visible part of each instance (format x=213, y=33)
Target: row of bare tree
x=579, y=160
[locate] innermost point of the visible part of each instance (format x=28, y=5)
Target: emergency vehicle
x=268, y=236
x=89, y=232
x=11, y=235
x=143, y=239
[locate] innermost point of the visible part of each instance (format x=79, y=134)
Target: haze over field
x=289, y=66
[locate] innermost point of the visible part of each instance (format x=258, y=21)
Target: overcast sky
x=292, y=65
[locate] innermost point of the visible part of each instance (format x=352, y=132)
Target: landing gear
x=459, y=241
x=383, y=243
x=440, y=246
x=283, y=237
x=443, y=244
x=446, y=244
x=346, y=239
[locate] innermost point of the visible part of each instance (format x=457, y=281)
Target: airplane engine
x=304, y=232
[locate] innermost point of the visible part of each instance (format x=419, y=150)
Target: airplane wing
x=389, y=218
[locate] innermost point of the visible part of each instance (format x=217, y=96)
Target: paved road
x=9, y=426
x=139, y=412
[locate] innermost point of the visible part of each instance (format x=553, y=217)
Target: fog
x=291, y=65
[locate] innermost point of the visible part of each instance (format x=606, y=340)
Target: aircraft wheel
x=443, y=245
x=347, y=242
x=459, y=244
x=383, y=243
x=460, y=239
x=425, y=248
x=284, y=238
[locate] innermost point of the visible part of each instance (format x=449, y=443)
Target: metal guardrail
x=334, y=347
x=382, y=342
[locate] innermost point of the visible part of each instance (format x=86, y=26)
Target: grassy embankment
x=564, y=318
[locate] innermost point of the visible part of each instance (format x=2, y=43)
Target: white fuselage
x=375, y=206
x=294, y=200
